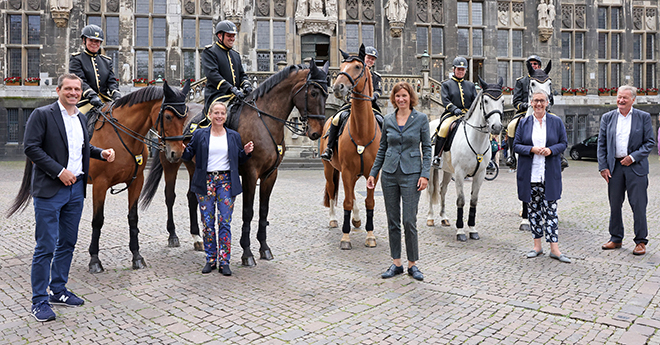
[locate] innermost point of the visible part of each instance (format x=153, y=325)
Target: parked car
x=588, y=148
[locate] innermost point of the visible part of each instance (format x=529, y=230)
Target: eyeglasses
x=539, y=101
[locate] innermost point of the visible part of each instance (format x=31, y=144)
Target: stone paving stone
x=632, y=338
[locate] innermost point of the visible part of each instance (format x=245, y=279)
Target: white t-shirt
x=539, y=133
x=75, y=140
x=218, y=154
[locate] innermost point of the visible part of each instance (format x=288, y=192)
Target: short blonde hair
x=215, y=104
x=406, y=86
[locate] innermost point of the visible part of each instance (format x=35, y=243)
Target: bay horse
x=538, y=81
x=124, y=125
x=262, y=119
x=469, y=155
x=357, y=147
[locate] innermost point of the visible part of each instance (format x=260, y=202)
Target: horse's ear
x=483, y=83
x=312, y=66
x=362, y=53
x=500, y=82
x=186, y=87
x=530, y=69
x=326, y=67
x=344, y=54
x=548, y=67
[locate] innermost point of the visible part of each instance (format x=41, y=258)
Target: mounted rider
x=371, y=55
x=99, y=84
x=520, y=103
x=457, y=97
x=223, y=68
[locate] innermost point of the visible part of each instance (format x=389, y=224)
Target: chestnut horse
x=356, y=149
x=262, y=119
x=124, y=125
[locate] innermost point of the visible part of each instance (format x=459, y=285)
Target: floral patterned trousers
x=218, y=193
x=543, y=215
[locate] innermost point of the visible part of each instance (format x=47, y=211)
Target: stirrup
x=437, y=162
x=327, y=154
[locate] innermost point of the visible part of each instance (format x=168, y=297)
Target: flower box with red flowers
x=13, y=81
x=652, y=91
x=32, y=81
x=139, y=82
x=567, y=91
x=581, y=91
x=614, y=91
x=603, y=91
x=507, y=90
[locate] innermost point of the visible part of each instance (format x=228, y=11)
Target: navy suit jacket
x=640, y=141
x=522, y=145
x=199, y=148
x=401, y=148
x=46, y=145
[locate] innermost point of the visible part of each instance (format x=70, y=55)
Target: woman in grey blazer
x=406, y=171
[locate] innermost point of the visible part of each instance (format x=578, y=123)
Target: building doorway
x=315, y=46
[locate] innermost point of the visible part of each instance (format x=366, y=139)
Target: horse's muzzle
x=496, y=128
x=340, y=90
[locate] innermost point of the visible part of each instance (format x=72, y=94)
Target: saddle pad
x=452, y=133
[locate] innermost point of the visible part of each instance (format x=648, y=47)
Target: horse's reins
x=479, y=157
x=156, y=144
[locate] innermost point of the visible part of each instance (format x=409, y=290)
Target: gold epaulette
x=107, y=57
x=75, y=54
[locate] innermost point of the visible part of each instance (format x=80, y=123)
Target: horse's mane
x=273, y=80
x=145, y=94
x=474, y=104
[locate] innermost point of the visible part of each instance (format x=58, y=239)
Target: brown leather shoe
x=640, y=249
x=611, y=245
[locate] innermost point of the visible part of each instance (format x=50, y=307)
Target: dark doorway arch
x=316, y=46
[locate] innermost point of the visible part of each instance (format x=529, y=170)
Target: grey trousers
x=625, y=181
x=400, y=187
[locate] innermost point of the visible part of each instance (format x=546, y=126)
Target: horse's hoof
x=248, y=261
x=461, y=237
x=474, y=236
x=525, y=227
x=139, y=263
x=345, y=245
x=95, y=266
x=199, y=246
x=356, y=223
x=370, y=242
x=333, y=224
x=265, y=254
x=445, y=222
x=430, y=222
x=173, y=242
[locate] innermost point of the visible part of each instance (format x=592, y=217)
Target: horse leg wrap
x=472, y=216
x=370, y=220
x=459, y=218
x=525, y=212
x=346, y=228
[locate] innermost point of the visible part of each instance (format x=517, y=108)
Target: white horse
x=468, y=156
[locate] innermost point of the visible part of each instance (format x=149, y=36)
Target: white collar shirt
x=539, y=134
x=74, y=136
x=623, y=124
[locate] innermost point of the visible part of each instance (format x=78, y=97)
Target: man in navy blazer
x=56, y=141
x=624, y=143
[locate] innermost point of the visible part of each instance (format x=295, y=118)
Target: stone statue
x=302, y=10
x=316, y=16
x=61, y=5
x=59, y=10
x=542, y=8
x=551, y=13
x=233, y=7
x=396, y=11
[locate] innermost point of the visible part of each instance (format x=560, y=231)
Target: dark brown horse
x=357, y=147
x=124, y=126
x=262, y=119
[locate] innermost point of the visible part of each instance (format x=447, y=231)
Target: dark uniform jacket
x=457, y=93
x=97, y=76
x=376, y=81
x=521, y=93
x=223, y=70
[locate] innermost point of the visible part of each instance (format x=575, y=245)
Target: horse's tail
x=151, y=185
x=327, y=197
x=23, y=198
x=434, y=185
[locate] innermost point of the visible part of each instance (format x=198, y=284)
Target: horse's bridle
x=355, y=81
x=180, y=109
x=490, y=93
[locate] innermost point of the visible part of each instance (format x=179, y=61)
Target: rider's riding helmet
x=371, y=51
x=93, y=32
x=534, y=58
x=460, y=62
x=226, y=26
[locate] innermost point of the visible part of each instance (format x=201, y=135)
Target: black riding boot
x=437, y=159
x=332, y=142
x=511, y=159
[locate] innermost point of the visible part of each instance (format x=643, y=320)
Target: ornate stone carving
x=233, y=10
x=638, y=18
x=396, y=29
x=95, y=5
x=352, y=8
x=397, y=11
x=34, y=4
x=503, y=13
x=263, y=7
x=280, y=7
x=189, y=6
x=113, y=5
x=547, y=14
x=518, y=15
x=422, y=10
x=651, y=18
x=316, y=16
x=368, y=9
x=206, y=6
x=15, y=4
x=567, y=16
x=59, y=10
x=579, y=16
x=436, y=6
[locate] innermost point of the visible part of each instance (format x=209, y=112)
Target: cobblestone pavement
x=482, y=291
